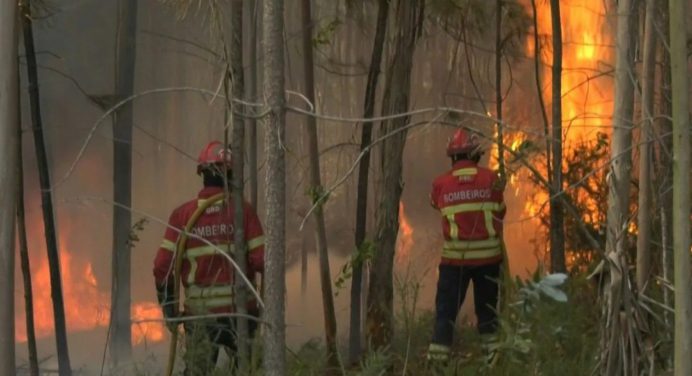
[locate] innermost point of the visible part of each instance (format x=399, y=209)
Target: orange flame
x=587, y=95
x=86, y=306
x=147, y=331
x=405, y=237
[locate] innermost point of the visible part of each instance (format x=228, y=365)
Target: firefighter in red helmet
x=470, y=200
x=206, y=275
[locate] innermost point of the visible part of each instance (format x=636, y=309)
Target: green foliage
x=317, y=195
x=308, y=360
x=325, y=34
x=540, y=334
x=547, y=330
x=376, y=363
x=136, y=228
x=365, y=254
x=543, y=332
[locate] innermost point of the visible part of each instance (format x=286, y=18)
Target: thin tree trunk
x=46, y=196
x=379, y=320
x=557, y=227
x=274, y=358
x=126, y=34
x=303, y=267
x=539, y=91
x=251, y=10
x=316, y=189
x=363, y=177
x=9, y=120
x=25, y=263
x=621, y=161
x=498, y=88
x=681, y=187
x=665, y=188
x=237, y=82
x=616, y=336
x=645, y=212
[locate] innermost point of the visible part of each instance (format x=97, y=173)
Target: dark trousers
x=204, y=338
x=451, y=291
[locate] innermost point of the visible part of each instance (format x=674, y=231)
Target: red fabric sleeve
x=163, y=262
x=255, y=239
x=433, y=195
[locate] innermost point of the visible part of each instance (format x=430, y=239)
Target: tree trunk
x=274, y=359
x=9, y=120
x=681, y=187
x=616, y=336
x=316, y=190
x=24, y=257
x=498, y=88
x=539, y=91
x=126, y=34
x=645, y=212
x=250, y=10
x=665, y=131
x=363, y=177
x=46, y=195
x=379, y=320
x=237, y=82
x=557, y=227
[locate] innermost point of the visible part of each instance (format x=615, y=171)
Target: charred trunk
x=557, y=221
x=46, y=194
x=316, y=189
x=237, y=83
x=120, y=340
x=24, y=259
x=363, y=177
x=250, y=10
x=379, y=321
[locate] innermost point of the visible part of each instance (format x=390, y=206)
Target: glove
x=165, y=295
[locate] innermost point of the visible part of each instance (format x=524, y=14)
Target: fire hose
x=180, y=250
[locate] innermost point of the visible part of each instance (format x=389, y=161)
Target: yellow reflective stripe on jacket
x=169, y=245
x=471, y=206
x=256, y=242
x=453, y=228
x=202, y=201
x=197, y=292
x=486, y=207
x=468, y=171
x=191, y=255
x=489, y=222
x=207, y=303
x=208, y=250
x=471, y=254
x=461, y=245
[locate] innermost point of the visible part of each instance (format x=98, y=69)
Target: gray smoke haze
x=78, y=38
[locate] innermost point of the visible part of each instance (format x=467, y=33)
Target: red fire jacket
x=208, y=276
x=471, y=202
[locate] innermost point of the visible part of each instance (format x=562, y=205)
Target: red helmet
x=463, y=143
x=214, y=154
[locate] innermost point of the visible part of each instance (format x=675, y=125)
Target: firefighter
x=206, y=275
x=470, y=200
